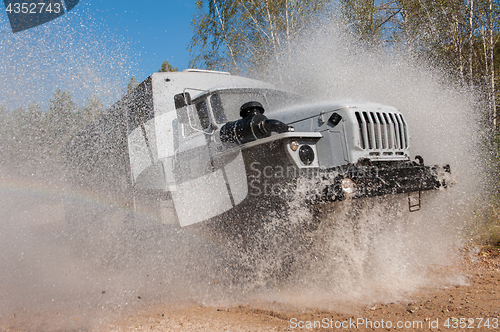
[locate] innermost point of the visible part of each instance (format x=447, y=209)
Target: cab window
x=218, y=110
x=226, y=104
x=202, y=111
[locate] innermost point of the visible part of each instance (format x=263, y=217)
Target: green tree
x=22, y=145
x=91, y=110
x=132, y=84
x=461, y=36
x=244, y=34
x=4, y=119
x=365, y=18
x=4, y=135
x=29, y=132
x=166, y=66
x=61, y=122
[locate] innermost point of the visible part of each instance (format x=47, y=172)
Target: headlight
x=348, y=186
x=294, y=145
x=306, y=154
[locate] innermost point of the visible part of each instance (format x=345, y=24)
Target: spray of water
x=61, y=275
x=374, y=249
x=73, y=53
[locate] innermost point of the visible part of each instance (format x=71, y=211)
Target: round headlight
x=348, y=186
x=306, y=154
x=294, y=145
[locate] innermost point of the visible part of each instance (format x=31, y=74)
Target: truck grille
x=381, y=131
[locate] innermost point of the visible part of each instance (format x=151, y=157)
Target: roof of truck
x=206, y=80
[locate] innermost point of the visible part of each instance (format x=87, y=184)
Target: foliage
x=166, y=66
x=30, y=139
x=61, y=115
x=241, y=34
x=461, y=36
x=485, y=228
x=93, y=108
x=132, y=84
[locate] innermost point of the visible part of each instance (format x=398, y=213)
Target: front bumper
x=379, y=180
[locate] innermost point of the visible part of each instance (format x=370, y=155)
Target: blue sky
x=93, y=50
x=156, y=30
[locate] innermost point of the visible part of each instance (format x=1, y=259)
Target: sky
x=94, y=49
x=155, y=30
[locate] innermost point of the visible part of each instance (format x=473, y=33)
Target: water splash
x=75, y=53
x=367, y=250
x=373, y=249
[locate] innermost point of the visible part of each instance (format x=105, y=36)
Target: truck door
x=208, y=181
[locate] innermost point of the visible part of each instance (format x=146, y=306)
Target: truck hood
x=302, y=112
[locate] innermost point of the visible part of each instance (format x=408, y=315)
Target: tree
x=22, y=141
x=365, y=18
x=92, y=109
x=4, y=119
x=60, y=121
x=7, y=143
x=132, y=84
x=461, y=36
x=242, y=34
x=29, y=145
x=166, y=66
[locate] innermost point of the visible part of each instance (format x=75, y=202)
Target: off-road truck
x=197, y=144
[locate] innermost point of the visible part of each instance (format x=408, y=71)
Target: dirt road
x=472, y=306
x=48, y=284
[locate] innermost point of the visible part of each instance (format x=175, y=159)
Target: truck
x=194, y=146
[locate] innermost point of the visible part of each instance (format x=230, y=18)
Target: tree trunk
x=471, y=41
x=492, y=64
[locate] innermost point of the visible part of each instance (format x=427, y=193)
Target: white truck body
x=177, y=152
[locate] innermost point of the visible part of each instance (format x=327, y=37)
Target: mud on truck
x=197, y=145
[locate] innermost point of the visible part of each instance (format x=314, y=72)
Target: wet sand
x=473, y=306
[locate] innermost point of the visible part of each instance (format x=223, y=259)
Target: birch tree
x=242, y=34
x=462, y=36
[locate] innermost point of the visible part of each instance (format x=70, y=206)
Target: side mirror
x=182, y=100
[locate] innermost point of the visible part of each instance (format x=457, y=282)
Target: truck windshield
x=226, y=103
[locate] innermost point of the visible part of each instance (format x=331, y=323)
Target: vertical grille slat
x=383, y=131
x=405, y=132
x=376, y=131
x=369, y=129
x=400, y=132
x=362, y=130
x=397, y=141
x=390, y=137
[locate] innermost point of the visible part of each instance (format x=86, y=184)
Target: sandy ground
x=44, y=286
x=473, y=306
